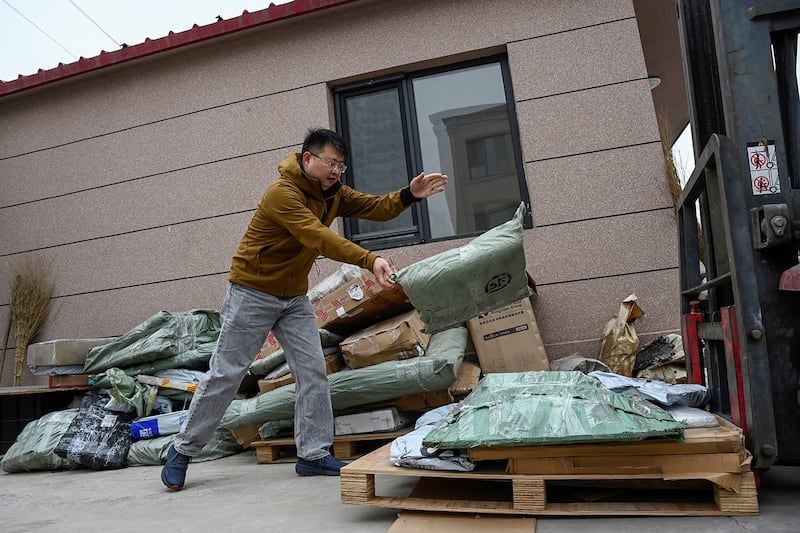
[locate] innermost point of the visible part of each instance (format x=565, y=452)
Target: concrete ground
x=238, y=494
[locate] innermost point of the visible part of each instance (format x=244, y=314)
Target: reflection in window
x=490, y=156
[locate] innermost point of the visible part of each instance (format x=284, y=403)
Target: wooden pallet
x=490, y=489
x=345, y=447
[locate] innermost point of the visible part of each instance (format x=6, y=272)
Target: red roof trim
x=247, y=20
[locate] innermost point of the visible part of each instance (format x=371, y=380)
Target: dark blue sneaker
x=174, y=472
x=327, y=466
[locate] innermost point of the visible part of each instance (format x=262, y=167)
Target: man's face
x=325, y=166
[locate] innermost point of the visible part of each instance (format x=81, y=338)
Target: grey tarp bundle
x=161, y=336
x=485, y=274
x=434, y=371
x=686, y=394
x=154, y=451
x=33, y=449
x=530, y=408
x=408, y=451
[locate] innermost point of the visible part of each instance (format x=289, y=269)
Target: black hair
x=317, y=138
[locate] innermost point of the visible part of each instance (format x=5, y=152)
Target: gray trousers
x=248, y=316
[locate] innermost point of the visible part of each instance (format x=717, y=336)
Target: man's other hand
x=426, y=185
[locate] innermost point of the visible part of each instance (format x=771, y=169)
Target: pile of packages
x=394, y=357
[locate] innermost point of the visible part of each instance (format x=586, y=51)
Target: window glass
x=464, y=132
x=378, y=160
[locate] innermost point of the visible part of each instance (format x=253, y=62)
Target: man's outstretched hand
x=383, y=271
x=426, y=185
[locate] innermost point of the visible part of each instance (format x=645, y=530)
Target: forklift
x=739, y=217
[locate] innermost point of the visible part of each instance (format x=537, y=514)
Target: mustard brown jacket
x=291, y=228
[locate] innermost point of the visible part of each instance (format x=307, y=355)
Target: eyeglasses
x=335, y=165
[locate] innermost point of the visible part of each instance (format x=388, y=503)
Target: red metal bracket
x=733, y=364
x=691, y=343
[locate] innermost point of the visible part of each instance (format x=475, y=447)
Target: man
x=267, y=290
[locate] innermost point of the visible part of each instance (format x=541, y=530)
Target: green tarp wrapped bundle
x=530, y=408
x=195, y=359
x=436, y=370
x=33, y=449
x=485, y=274
x=154, y=451
x=161, y=336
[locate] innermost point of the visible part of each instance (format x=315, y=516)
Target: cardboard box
x=68, y=380
x=61, y=352
x=388, y=419
x=393, y=339
x=271, y=345
x=359, y=303
x=425, y=521
x=333, y=363
x=266, y=385
x=508, y=339
x=246, y=436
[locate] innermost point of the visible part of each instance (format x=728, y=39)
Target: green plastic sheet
x=485, y=274
x=530, y=408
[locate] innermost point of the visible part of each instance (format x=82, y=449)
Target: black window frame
x=419, y=232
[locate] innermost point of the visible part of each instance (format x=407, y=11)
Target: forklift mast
x=738, y=217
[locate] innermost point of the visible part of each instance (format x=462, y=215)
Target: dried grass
x=31, y=290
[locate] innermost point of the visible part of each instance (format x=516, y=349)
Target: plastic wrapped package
x=163, y=335
x=531, y=408
x=436, y=370
x=408, y=450
x=33, y=448
x=694, y=417
x=686, y=394
x=485, y=274
x=343, y=274
x=97, y=438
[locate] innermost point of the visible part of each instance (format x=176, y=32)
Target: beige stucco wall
x=136, y=182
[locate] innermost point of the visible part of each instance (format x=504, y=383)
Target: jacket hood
x=290, y=168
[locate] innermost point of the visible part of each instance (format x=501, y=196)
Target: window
x=458, y=121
